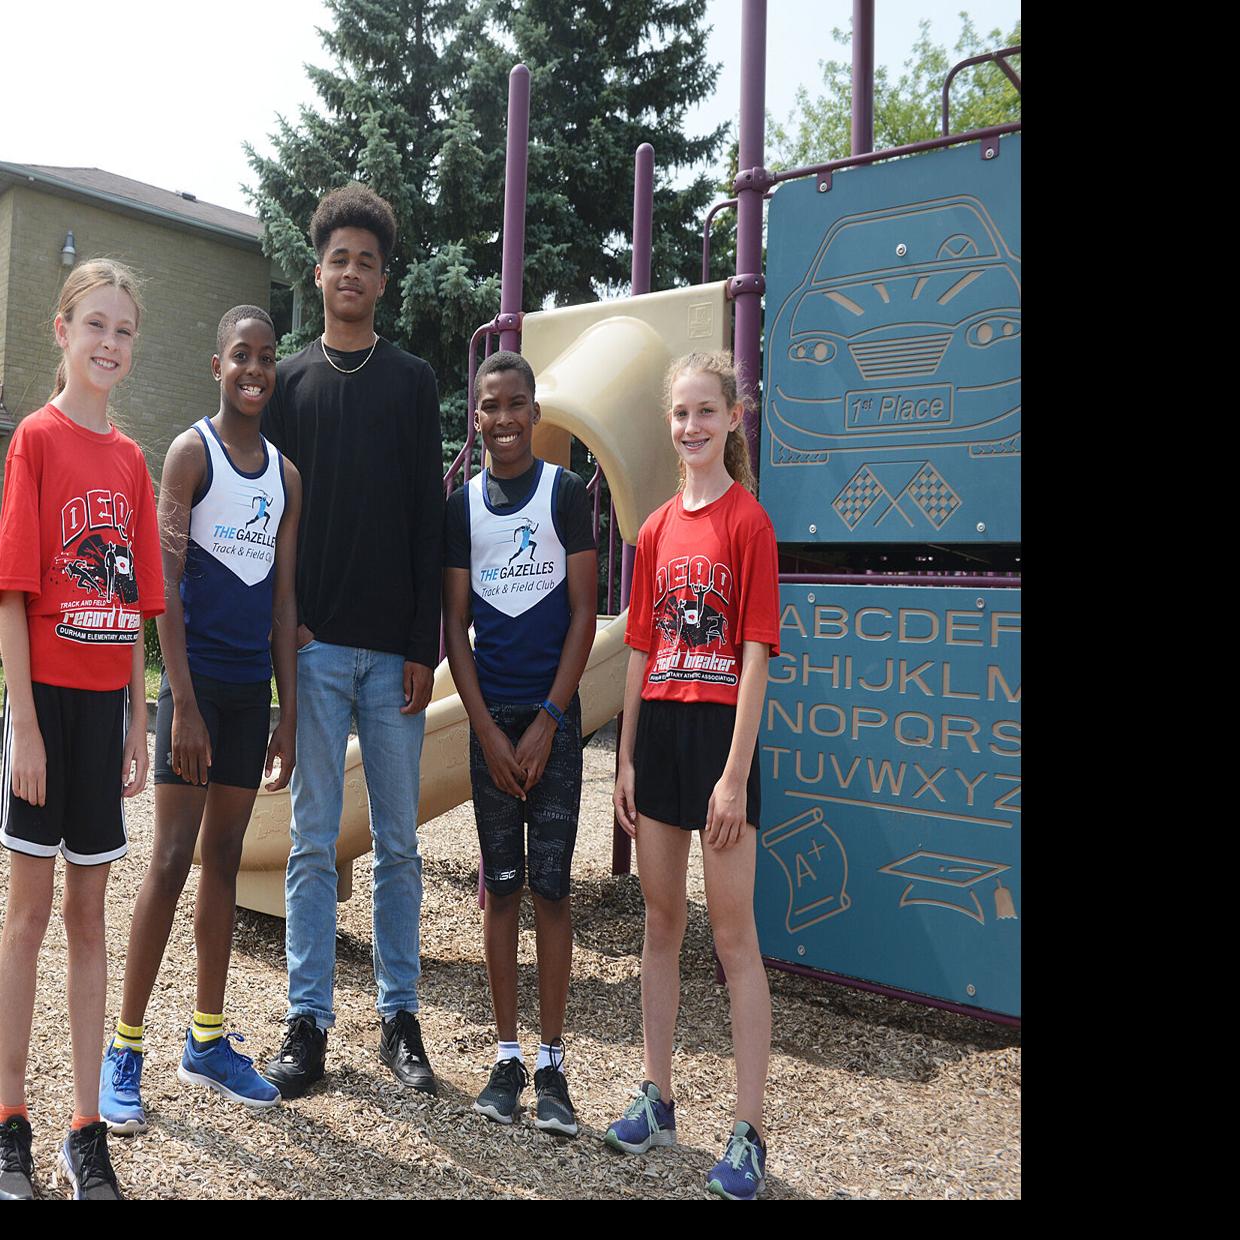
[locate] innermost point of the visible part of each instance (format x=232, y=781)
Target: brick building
x=195, y=259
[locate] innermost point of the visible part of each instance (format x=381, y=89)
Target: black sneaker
x=499, y=1100
x=400, y=1047
x=555, y=1108
x=85, y=1162
x=16, y=1161
x=300, y=1061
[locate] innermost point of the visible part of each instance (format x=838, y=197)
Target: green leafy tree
x=415, y=105
x=905, y=110
x=413, y=108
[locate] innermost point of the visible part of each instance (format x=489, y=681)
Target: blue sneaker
x=740, y=1174
x=120, y=1091
x=219, y=1067
x=649, y=1121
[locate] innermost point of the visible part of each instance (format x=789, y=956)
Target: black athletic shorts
x=84, y=738
x=238, y=719
x=550, y=808
x=678, y=756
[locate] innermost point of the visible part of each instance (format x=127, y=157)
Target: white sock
x=547, y=1053
x=509, y=1050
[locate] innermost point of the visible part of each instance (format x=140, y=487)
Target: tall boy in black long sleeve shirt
x=360, y=419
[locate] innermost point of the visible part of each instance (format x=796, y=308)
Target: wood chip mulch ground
x=868, y=1097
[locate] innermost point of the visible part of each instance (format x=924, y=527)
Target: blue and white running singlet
x=518, y=574
x=230, y=565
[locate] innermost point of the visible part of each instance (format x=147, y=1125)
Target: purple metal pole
x=643, y=229
x=515, y=169
x=748, y=331
x=862, y=77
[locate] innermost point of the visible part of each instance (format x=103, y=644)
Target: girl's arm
x=500, y=756
x=726, y=813
x=184, y=469
x=134, y=758
x=283, y=743
x=622, y=797
x=534, y=748
x=29, y=757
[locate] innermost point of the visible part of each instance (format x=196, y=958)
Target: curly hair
x=353, y=206
x=722, y=365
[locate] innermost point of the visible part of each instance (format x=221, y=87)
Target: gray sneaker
x=555, y=1108
x=499, y=1100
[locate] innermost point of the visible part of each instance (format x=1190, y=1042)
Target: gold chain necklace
x=341, y=369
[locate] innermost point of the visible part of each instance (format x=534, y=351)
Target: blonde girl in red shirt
x=79, y=569
x=703, y=621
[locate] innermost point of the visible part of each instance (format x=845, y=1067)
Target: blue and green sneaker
x=649, y=1121
x=740, y=1174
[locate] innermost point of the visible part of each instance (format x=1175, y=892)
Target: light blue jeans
x=336, y=684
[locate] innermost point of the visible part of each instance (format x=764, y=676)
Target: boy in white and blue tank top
x=520, y=561
x=228, y=511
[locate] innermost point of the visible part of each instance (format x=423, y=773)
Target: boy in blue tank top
x=231, y=614
x=532, y=603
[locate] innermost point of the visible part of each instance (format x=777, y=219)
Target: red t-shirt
x=704, y=583
x=78, y=534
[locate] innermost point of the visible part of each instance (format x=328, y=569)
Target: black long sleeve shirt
x=369, y=448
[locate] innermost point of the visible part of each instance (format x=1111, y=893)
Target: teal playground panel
x=889, y=847
x=892, y=406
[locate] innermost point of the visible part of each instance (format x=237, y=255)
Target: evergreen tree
x=416, y=105
x=606, y=76
x=410, y=108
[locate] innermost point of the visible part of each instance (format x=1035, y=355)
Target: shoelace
x=95, y=1161
x=11, y=1158
x=553, y=1080
x=293, y=1048
x=508, y=1069
x=738, y=1149
x=409, y=1035
x=125, y=1074
x=642, y=1108
x=239, y=1059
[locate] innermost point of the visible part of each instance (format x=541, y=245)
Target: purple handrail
x=999, y=57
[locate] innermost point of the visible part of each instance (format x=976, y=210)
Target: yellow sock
x=207, y=1028
x=128, y=1036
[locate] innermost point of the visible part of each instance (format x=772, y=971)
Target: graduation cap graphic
x=946, y=881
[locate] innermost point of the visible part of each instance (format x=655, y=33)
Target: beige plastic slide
x=600, y=371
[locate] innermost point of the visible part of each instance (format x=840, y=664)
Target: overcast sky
x=168, y=93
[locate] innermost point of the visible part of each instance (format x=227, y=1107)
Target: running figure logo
x=264, y=503
x=524, y=531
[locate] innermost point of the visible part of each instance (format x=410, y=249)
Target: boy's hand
x=419, y=681
x=29, y=764
x=283, y=745
x=191, y=745
x=134, y=760
x=534, y=748
x=622, y=799
x=506, y=773
x=725, y=814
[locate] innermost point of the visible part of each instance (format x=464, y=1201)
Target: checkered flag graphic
x=856, y=499
x=933, y=495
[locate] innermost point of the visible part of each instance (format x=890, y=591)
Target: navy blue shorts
x=550, y=809
x=238, y=719
x=679, y=754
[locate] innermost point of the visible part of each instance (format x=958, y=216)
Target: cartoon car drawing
x=907, y=321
